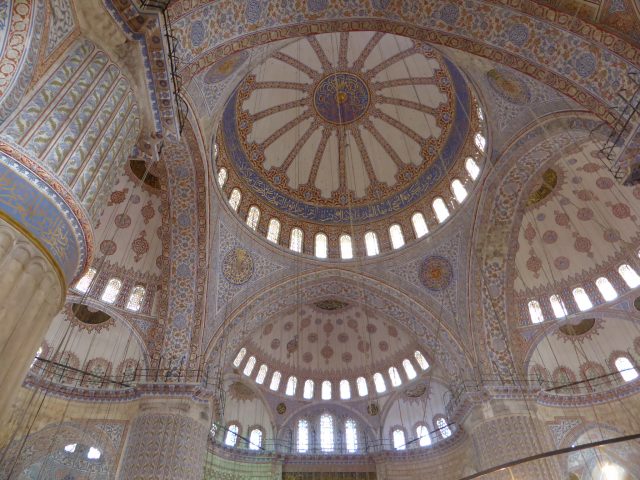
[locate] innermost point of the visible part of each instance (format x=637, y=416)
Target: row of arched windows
x=112, y=290
x=328, y=433
x=232, y=434
x=326, y=387
x=423, y=436
x=371, y=243
x=583, y=302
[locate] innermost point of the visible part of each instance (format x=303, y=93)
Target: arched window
x=275, y=380
x=273, y=230
x=371, y=244
x=458, y=190
x=303, y=436
x=629, y=275
x=626, y=369
x=325, y=394
x=557, y=305
x=361, y=383
x=222, y=177
x=606, y=289
x=111, y=290
x=419, y=224
x=253, y=217
x=345, y=390
x=239, y=357
x=378, y=381
x=231, y=438
x=472, y=168
x=399, y=442
x=248, y=368
x=351, y=436
x=93, y=453
x=395, y=233
x=234, y=199
x=480, y=141
x=135, y=298
x=85, y=282
x=346, y=249
x=255, y=439
x=295, y=240
x=292, y=383
x=440, y=209
x=321, y=245
x=262, y=374
x=326, y=433
x=535, y=312
x=307, y=392
x=443, y=427
x=480, y=113
x=70, y=448
x=422, y=433
x=424, y=365
x=408, y=369
x=396, y=381
x=582, y=299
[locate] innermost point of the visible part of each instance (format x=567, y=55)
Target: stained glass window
x=273, y=231
x=440, y=209
x=303, y=436
x=255, y=439
x=222, y=177
x=295, y=241
x=326, y=433
x=606, y=289
x=458, y=190
x=421, y=360
x=535, y=312
x=629, y=275
x=262, y=374
x=275, y=381
x=557, y=305
x=472, y=168
x=443, y=428
x=480, y=141
x=408, y=369
x=351, y=436
x=292, y=383
x=396, y=381
x=325, y=394
x=231, y=438
x=321, y=245
x=345, y=390
x=378, y=381
x=93, y=453
x=135, y=298
x=111, y=290
x=346, y=249
x=361, y=383
x=70, y=448
x=238, y=360
x=399, y=442
x=253, y=217
x=582, y=299
x=395, y=233
x=85, y=282
x=422, y=432
x=626, y=369
x=248, y=368
x=307, y=392
x=419, y=224
x=371, y=244
x=234, y=199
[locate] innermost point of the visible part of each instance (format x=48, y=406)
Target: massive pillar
x=502, y=432
x=61, y=147
x=167, y=440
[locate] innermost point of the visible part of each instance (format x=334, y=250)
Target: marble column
x=167, y=440
x=31, y=293
x=505, y=431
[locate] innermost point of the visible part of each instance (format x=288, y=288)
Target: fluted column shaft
x=167, y=440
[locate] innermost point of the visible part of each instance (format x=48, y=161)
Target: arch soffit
x=398, y=395
x=496, y=42
x=500, y=214
x=229, y=378
x=417, y=318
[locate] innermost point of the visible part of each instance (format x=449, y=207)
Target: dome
x=348, y=133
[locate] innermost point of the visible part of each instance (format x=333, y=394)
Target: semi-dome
x=345, y=134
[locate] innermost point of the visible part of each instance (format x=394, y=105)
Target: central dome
x=347, y=129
